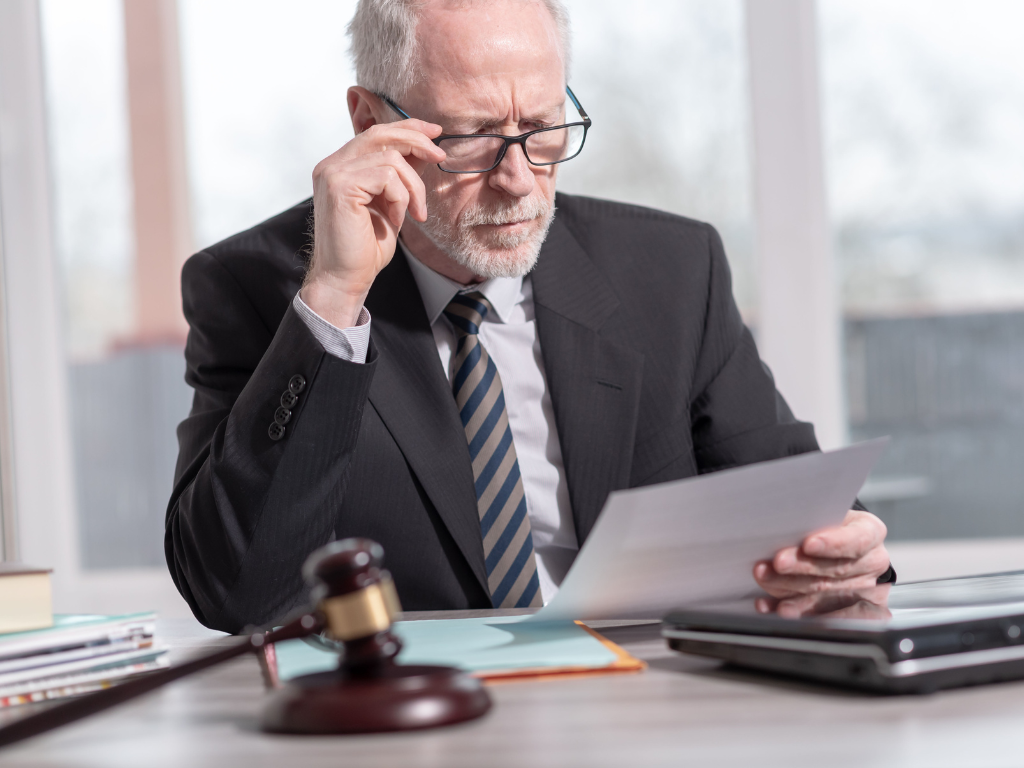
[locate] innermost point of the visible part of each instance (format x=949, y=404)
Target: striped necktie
x=500, y=501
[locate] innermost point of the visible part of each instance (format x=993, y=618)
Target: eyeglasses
x=483, y=152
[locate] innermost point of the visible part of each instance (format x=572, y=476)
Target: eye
x=486, y=129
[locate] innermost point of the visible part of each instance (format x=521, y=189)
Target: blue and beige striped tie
x=501, y=504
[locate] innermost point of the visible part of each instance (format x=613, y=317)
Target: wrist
x=338, y=305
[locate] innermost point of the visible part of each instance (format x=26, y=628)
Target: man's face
x=490, y=67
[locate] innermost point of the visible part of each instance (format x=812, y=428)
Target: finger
x=428, y=129
x=378, y=184
x=414, y=146
x=409, y=141
x=794, y=562
x=783, y=585
x=417, y=203
x=395, y=196
x=791, y=586
x=860, y=532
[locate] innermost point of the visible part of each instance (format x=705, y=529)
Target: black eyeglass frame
x=508, y=140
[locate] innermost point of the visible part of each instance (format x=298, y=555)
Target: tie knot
x=467, y=311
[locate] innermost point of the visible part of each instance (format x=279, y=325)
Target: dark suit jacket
x=653, y=377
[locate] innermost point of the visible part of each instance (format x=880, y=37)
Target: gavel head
x=357, y=598
x=368, y=692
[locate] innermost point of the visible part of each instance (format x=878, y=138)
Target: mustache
x=505, y=212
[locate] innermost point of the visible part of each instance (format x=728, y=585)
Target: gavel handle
x=92, y=703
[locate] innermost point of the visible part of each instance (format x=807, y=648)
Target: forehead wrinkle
x=475, y=121
x=480, y=101
x=492, y=118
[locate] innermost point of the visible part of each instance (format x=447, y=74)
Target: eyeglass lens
x=476, y=154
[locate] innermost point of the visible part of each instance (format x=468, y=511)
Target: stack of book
x=43, y=656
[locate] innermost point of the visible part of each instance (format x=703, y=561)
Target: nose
x=513, y=175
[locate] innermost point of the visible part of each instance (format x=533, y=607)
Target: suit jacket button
x=276, y=431
x=282, y=416
x=288, y=399
x=296, y=384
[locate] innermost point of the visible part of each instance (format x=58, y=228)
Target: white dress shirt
x=510, y=337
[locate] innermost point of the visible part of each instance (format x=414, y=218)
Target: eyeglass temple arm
x=576, y=103
x=392, y=104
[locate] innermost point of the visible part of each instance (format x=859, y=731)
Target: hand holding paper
x=847, y=557
x=688, y=541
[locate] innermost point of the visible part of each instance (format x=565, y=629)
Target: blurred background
x=163, y=127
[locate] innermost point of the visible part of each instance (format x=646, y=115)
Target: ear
x=364, y=108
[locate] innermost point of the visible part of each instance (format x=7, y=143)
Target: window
x=265, y=87
x=924, y=110
x=126, y=392
x=665, y=84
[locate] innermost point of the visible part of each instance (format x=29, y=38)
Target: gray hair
x=383, y=36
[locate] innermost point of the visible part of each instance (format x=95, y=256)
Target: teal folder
x=480, y=645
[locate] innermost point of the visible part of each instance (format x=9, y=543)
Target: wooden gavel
x=354, y=602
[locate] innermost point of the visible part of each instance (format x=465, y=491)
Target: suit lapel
x=410, y=392
x=594, y=383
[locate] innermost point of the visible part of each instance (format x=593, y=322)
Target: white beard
x=495, y=254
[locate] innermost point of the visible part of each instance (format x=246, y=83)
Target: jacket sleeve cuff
x=349, y=344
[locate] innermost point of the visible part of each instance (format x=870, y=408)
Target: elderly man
x=429, y=355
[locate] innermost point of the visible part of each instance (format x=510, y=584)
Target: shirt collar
x=437, y=290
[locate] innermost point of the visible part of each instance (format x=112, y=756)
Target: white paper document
x=688, y=541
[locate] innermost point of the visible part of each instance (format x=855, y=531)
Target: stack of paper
x=78, y=654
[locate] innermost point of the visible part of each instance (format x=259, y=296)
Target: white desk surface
x=681, y=711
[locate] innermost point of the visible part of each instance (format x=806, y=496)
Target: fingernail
x=760, y=570
x=814, y=545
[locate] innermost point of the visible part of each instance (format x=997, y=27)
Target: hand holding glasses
x=483, y=152
x=363, y=192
